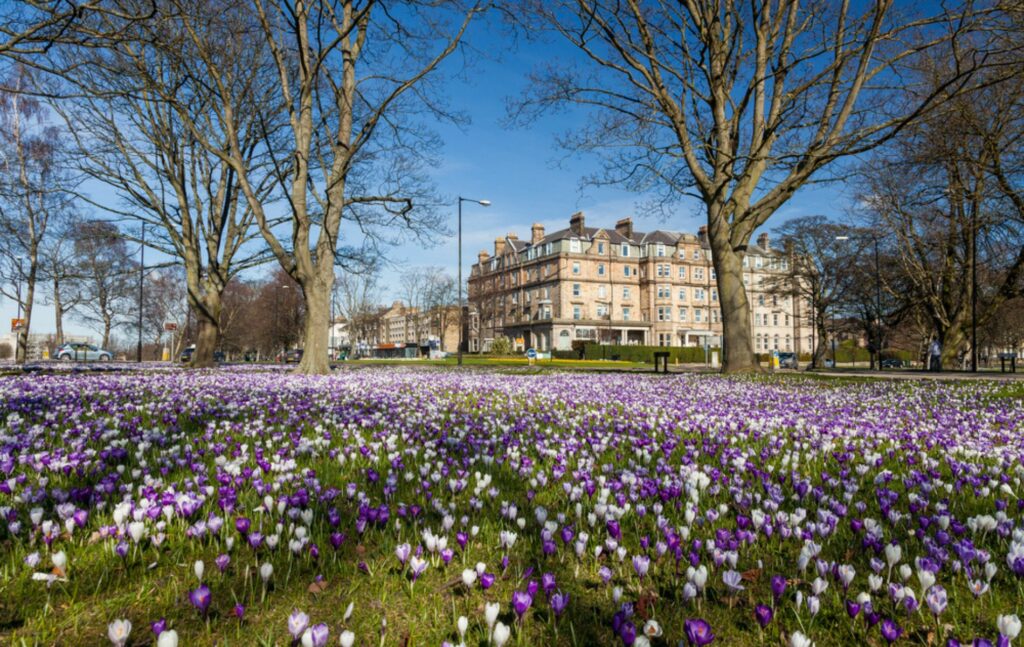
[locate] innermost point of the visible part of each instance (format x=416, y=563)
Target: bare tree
x=440, y=301
x=951, y=192
x=106, y=274
x=736, y=104
x=819, y=271
x=165, y=301
x=351, y=82
x=30, y=28
x=358, y=296
x=59, y=266
x=33, y=189
x=125, y=104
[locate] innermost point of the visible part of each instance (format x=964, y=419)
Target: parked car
x=293, y=356
x=186, y=355
x=788, y=360
x=80, y=352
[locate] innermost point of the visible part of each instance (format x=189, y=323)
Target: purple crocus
x=559, y=602
x=297, y=623
x=852, y=608
x=402, y=552
x=764, y=614
x=890, y=630
x=486, y=580
x=200, y=598
x=222, y=562
x=936, y=599
x=778, y=585
x=242, y=525
x=641, y=564
x=159, y=627
x=319, y=633
x=521, y=601
x=547, y=582
x=698, y=632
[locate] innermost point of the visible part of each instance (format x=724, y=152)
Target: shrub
x=6, y=352
x=501, y=346
x=687, y=354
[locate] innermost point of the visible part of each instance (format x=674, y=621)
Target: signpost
x=17, y=325
x=531, y=354
x=170, y=326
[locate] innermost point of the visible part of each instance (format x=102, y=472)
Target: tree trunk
x=58, y=312
x=738, y=351
x=30, y=293
x=317, y=293
x=208, y=336
x=821, y=348
x=106, y=333
x=953, y=339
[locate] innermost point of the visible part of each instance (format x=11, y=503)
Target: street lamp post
x=142, y=271
x=483, y=203
x=20, y=347
x=974, y=291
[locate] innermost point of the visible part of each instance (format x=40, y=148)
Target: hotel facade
x=619, y=286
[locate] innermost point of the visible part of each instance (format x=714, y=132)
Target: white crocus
x=167, y=638
x=118, y=631
x=501, y=634
x=1009, y=625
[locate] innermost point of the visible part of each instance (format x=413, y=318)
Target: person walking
x=935, y=355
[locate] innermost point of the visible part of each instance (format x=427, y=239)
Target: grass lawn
x=590, y=506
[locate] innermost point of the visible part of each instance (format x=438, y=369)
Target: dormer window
x=574, y=245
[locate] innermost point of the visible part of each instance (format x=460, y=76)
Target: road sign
x=531, y=353
x=170, y=326
x=17, y=325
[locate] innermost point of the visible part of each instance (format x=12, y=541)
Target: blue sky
x=522, y=171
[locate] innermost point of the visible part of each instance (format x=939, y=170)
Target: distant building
x=620, y=286
x=339, y=340
x=410, y=332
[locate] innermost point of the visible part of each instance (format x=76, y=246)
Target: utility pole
x=142, y=271
x=483, y=203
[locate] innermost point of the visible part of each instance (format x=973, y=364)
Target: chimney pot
x=702, y=234
x=625, y=227
x=536, y=233
x=576, y=223
x=499, y=246
x=762, y=241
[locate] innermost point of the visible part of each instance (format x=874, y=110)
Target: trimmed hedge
x=685, y=354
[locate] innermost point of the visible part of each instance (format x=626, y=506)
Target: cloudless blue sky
x=522, y=171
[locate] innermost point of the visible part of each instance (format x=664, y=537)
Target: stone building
x=619, y=286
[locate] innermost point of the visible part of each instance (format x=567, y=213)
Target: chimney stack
x=702, y=234
x=576, y=223
x=762, y=241
x=499, y=246
x=536, y=233
x=482, y=257
x=625, y=227
x=512, y=236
